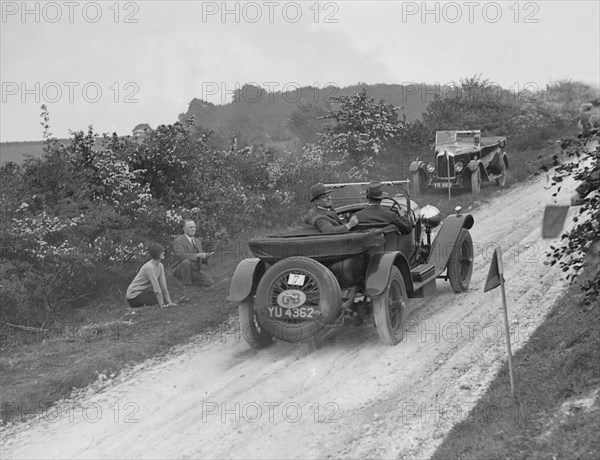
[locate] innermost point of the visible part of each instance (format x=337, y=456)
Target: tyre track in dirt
x=355, y=398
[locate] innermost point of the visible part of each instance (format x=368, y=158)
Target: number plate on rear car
x=292, y=313
x=290, y=305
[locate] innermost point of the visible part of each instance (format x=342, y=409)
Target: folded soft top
x=308, y=242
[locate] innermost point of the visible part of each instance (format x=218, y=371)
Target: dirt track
x=354, y=398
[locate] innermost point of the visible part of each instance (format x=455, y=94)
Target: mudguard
x=416, y=165
x=245, y=279
x=444, y=241
x=379, y=269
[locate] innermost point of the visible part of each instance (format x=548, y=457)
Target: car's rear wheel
x=501, y=181
x=460, y=263
x=252, y=332
x=476, y=182
x=390, y=309
x=297, y=299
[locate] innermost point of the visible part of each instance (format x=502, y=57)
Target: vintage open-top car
x=304, y=285
x=463, y=159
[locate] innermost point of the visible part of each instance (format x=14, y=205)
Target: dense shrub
x=474, y=103
x=527, y=117
x=73, y=219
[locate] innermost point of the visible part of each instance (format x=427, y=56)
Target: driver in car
x=322, y=214
x=375, y=214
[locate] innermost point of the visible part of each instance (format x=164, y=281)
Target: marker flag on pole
x=554, y=220
x=496, y=271
x=496, y=278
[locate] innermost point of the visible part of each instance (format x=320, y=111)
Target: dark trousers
x=147, y=297
x=189, y=272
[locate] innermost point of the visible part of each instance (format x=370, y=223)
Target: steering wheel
x=401, y=211
x=394, y=205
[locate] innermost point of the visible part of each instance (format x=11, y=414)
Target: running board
x=422, y=272
x=424, y=288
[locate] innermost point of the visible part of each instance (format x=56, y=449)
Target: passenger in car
x=375, y=214
x=322, y=214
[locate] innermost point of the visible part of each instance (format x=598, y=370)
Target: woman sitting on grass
x=149, y=285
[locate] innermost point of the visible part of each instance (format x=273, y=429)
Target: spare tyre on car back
x=297, y=299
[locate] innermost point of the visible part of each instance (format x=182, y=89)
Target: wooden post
x=506, y=328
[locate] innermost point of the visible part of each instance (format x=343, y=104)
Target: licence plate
x=441, y=185
x=292, y=313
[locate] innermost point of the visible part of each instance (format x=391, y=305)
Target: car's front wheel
x=252, y=332
x=390, y=309
x=460, y=263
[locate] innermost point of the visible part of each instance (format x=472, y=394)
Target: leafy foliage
x=582, y=244
x=526, y=116
x=80, y=216
x=474, y=103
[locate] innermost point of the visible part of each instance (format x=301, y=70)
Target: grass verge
x=557, y=380
x=39, y=367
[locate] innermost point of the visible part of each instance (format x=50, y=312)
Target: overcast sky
x=114, y=65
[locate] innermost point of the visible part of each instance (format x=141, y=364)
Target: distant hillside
x=15, y=151
x=284, y=120
x=257, y=117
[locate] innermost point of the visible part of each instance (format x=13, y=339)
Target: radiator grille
x=442, y=166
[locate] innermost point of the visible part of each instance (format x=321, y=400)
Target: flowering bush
x=87, y=210
x=363, y=129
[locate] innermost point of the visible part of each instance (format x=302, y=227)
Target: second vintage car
x=303, y=285
x=463, y=159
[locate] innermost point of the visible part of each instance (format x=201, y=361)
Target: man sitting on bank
x=187, y=250
x=322, y=214
x=375, y=214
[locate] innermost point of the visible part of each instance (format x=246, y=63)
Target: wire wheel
x=296, y=298
x=311, y=289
